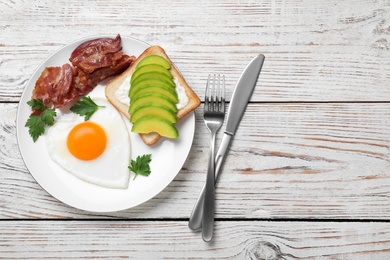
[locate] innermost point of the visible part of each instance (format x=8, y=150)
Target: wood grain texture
x=315, y=50
x=313, y=147
x=286, y=161
x=173, y=240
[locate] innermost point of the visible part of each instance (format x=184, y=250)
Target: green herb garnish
x=85, y=107
x=36, y=123
x=141, y=165
x=36, y=104
x=48, y=115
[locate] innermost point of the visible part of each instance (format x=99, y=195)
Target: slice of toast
x=114, y=84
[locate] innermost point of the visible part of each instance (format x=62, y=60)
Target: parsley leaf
x=36, y=126
x=85, y=107
x=36, y=104
x=141, y=165
x=36, y=123
x=48, y=115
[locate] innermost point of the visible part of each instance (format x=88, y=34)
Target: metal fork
x=214, y=113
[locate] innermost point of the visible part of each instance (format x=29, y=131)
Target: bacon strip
x=93, y=61
x=89, y=80
x=83, y=82
x=54, y=84
x=98, y=53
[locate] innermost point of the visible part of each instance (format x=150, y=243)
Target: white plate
x=168, y=156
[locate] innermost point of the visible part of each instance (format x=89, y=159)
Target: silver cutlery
x=214, y=114
x=240, y=98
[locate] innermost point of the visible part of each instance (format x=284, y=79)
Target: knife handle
x=195, y=222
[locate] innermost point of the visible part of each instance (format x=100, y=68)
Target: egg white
x=110, y=169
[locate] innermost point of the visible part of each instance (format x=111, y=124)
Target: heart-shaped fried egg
x=97, y=150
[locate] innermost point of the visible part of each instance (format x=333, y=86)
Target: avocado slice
x=152, y=75
x=167, y=92
x=152, y=82
x=151, y=68
x=151, y=98
x=159, y=125
x=154, y=59
x=153, y=109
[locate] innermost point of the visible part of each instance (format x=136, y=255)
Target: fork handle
x=195, y=221
x=209, y=201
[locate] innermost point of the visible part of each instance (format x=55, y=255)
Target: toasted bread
x=114, y=84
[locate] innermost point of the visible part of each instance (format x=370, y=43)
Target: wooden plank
x=315, y=50
x=303, y=160
x=173, y=240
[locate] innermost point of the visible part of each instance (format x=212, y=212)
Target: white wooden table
x=308, y=174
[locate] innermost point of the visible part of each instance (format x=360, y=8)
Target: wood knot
x=262, y=250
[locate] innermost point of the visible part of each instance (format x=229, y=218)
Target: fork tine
x=223, y=95
x=217, y=92
x=207, y=95
x=213, y=94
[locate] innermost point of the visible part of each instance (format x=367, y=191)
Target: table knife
x=238, y=103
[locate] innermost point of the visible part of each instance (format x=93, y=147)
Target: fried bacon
x=95, y=54
x=93, y=61
x=54, y=84
x=90, y=80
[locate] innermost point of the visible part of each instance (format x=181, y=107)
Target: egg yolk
x=87, y=141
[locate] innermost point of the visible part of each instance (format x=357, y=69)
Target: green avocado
x=152, y=75
x=159, y=125
x=149, y=68
x=168, y=92
x=147, y=98
x=153, y=98
x=150, y=82
x=154, y=59
x=153, y=109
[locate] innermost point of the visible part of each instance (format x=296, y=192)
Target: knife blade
x=238, y=103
